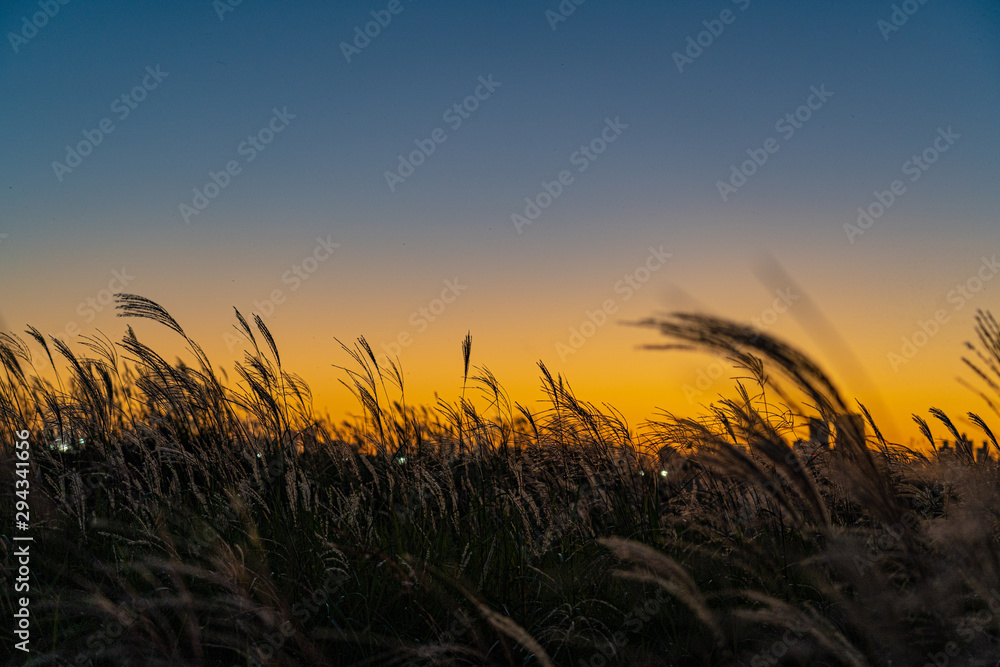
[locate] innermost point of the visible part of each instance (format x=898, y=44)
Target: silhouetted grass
x=179, y=519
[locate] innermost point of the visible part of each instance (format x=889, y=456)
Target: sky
x=535, y=173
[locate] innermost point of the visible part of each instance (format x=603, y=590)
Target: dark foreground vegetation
x=180, y=519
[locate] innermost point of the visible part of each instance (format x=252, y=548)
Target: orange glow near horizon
x=513, y=329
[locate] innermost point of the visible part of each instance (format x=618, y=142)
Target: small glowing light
x=663, y=473
x=59, y=445
x=400, y=459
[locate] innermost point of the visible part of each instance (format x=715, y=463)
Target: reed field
x=180, y=518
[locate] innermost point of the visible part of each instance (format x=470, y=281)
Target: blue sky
x=657, y=183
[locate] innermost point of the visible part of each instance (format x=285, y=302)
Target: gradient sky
x=893, y=94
